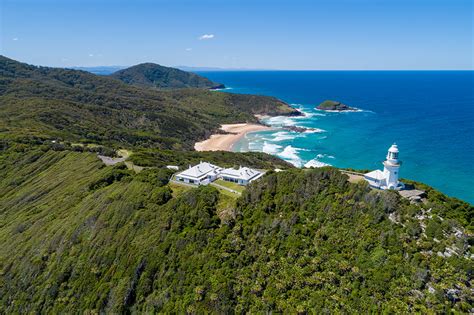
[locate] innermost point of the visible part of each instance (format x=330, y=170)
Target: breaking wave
x=271, y=148
x=316, y=163
x=290, y=154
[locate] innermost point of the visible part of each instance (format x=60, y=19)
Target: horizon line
x=214, y=68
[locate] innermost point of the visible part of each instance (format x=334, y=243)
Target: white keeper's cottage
x=201, y=174
x=242, y=176
x=204, y=173
x=388, y=178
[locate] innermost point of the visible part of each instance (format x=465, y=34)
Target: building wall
x=239, y=181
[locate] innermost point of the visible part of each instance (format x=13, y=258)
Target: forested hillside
x=77, y=235
x=77, y=106
x=157, y=76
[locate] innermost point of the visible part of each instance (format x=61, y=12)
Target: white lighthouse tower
x=391, y=168
x=388, y=179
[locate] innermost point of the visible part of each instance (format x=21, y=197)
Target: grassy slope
x=297, y=240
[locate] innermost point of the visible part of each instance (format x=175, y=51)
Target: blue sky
x=261, y=34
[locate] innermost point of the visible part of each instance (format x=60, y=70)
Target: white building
x=242, y=176
x=388, y=179
x=201, y=174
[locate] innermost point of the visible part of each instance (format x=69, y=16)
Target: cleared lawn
x=230, y=185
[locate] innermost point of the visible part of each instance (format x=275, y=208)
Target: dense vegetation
x=161, y=158
x=333, y=105
x=79, y=236
x=76, y=106
x=156, y=76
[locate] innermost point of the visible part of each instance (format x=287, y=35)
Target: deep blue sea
x=429, y=114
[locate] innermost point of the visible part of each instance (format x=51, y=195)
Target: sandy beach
x=224, y=142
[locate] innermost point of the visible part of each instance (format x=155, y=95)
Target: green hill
x=157, y=76
x=77, y=106
x=79, y=236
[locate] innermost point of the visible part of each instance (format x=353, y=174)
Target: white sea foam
x=321, y=156
x=290, y=154
x=355, y=110
x=314, y=130
x=271, y=148
x=224, y=89
x=279, y=121
x=316, y=163
x=254, y=146
x=283, y=135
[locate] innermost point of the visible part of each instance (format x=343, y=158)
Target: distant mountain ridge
x=100, y=70
x=161, y=77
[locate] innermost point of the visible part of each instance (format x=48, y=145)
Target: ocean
x=428, y=114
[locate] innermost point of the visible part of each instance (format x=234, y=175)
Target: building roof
x=377, y=174
x=244, y=173
x=201, y=170
x=393, y=148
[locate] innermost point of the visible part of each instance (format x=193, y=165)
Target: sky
x=250, y=34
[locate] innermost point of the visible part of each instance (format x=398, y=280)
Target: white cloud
x=206, y=36
x=91, y=55
x=15, y=38
x=188, y=49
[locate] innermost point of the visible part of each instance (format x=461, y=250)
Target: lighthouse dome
x=393, y=148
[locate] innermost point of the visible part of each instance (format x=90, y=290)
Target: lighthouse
x=391, y=167
x=388, y=178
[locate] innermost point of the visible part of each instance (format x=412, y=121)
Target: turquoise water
x=429, y=114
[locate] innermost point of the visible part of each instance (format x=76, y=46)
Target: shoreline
x=225, y=142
